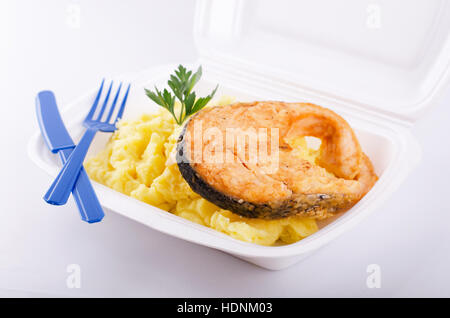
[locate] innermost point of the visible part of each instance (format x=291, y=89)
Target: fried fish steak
x=340, y=177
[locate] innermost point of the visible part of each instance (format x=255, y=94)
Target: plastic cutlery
x=59, y=191
x=58, y=141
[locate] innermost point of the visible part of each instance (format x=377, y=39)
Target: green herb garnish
x=181, y=85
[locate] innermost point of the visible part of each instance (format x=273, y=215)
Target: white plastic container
x=379, y=66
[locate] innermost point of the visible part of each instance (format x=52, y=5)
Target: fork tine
x=102, y=110
x=122, y=107
x=111, y=110
x=94, y=105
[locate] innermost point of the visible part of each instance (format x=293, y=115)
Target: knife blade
x=59, y=141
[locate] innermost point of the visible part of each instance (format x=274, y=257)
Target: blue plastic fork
x=62, y=186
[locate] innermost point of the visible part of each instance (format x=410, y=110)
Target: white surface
x=408, y=236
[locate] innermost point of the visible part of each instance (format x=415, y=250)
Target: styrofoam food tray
x=391, y=147
x=378, y=65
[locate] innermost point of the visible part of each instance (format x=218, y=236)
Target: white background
x=409, y=237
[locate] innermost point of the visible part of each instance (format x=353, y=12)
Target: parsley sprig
x=181, y=84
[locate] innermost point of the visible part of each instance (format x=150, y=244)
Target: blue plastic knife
x=59, y=141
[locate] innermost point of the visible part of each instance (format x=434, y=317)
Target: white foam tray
x=391, y=147
x=378, y=65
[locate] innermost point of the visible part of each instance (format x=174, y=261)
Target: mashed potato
x=138, y=161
